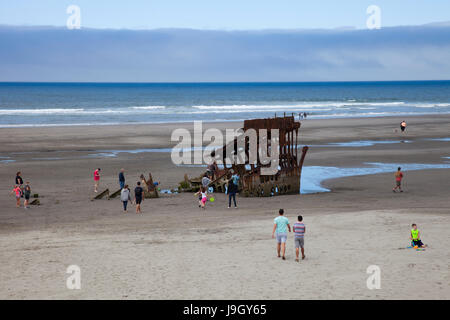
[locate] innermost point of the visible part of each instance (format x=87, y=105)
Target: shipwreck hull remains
x=252, y=182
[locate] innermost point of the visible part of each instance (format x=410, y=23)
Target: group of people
x=232, y=188
x=280, y=230
x=125, y=192
x=302, y=115
x=21, y=191
x=281, y=227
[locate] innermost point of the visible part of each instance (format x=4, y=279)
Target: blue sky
x=221, y=14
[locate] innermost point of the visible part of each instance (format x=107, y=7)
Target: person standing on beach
x=280, y=227
x=398, y=180
x=27, y=194
x=232, y=190
x=16, y=190
x=403, y=126
x=96, y=179
x=299, y=232
x=125, y=196
x=138, y=196
x=122, y=178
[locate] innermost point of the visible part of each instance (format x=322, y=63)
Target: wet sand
x=175, y=251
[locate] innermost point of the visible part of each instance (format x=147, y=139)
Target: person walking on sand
x=299, y=232
x=138, y=197
x=415, y=237
x=122, y=178
x=203, y=197
x=232, y=189
x=16, y=190
x=398, y=180
x=125, y=196
x=403, y=126
x=280, y=227
x=96, y=179
x=27, y=194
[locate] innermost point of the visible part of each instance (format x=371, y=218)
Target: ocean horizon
x=28, y=104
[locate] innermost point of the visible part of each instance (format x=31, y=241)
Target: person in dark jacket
x=232, y=190
x=138, y=196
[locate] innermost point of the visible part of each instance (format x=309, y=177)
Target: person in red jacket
x=96, y=179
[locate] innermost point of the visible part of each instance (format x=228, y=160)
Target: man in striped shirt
x=299, y=232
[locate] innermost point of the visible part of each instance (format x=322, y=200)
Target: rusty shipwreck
x=251, y=182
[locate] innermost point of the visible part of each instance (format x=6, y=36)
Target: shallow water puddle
x=313, y=176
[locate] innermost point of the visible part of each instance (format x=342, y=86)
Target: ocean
x=49, y=104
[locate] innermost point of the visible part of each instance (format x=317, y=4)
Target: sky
x=223, y=15
x=214, y=41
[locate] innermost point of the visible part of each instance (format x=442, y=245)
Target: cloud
x=178, y=55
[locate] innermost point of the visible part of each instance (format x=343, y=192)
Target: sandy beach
x=176, y=251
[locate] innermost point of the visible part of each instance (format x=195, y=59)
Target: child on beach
x=280, y=226
x=16, y=190
x=398, y=180
x=27, y=194
x=96, y=179
x=202, y=197
x=125, y=196
x=415, y=237
x=299, y=232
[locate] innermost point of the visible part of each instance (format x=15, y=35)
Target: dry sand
x=175, y=251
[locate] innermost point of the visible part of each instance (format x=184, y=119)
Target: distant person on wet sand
x=125, y=196
x=280, y=228
x=299, y=232
x=96, y=179
x=403, y=126
x=27, y=194
x=122, y=178
x=398, y=180
x=138, y=197
x=16, y=190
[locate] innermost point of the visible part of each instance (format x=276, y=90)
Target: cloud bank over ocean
x=179, y=55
